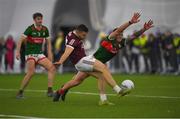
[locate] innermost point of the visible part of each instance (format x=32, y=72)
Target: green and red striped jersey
x=108, y=49
x=35, y=39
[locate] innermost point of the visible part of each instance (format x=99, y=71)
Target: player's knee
x=103, y=68
x=100, y=69
x=52, y=69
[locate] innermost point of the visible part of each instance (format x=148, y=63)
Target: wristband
x=130, y=22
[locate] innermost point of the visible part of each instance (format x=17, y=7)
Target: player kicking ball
x=88, y=64
x=34, y=37
x=109, y=47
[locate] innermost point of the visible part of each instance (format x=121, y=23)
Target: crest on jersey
x=39, y=34
x=33, y=33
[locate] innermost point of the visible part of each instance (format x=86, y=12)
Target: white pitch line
x=18, y=116
x=89, y=93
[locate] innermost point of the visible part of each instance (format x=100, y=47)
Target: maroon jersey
x=73, y=41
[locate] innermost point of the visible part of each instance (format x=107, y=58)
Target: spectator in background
x=176, y=41
x=9, y=53
x=135, y=45
x=144, y=49
x=158, y=49
x=1, y=51
x=153, y=53
x=59, y=45
x=125, y=56
x=169, y=52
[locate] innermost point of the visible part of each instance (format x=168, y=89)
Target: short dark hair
x=37, y=14
x=82, y=27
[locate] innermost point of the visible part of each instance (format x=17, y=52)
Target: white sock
x=116, y=88
x=103, y=97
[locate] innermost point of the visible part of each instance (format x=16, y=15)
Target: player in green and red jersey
x=34, y=37
x=109, y=47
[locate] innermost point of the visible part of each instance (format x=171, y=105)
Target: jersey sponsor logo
x=35, y=40
x=109, y=47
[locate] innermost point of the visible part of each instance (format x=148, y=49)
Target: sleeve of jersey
x=26, y=32
x=108, y=37
x=47, y=34
x=72, y=43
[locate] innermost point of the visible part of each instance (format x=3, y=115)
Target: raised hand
x=135, y=18
x=148, y=25
x=57, y=64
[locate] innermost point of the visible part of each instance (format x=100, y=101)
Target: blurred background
x=155, y=52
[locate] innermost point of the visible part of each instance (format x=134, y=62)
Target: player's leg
x=30, y=71
x=46, y=63
x=101, y=85
x=100, y=67
x=90, y=64
x=76, y=80
x=101, y=88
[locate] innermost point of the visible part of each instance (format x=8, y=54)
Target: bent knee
x=103, y=68
x=52, y=68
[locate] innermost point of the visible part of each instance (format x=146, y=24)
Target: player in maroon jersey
x=90, y=65
x=102, y=54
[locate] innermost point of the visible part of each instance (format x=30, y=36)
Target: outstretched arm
x=65, y=55
x=147, y=26
x=134, y=19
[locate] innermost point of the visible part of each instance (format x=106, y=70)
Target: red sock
x=61, y=91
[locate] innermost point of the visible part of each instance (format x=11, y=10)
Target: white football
x=128, y=84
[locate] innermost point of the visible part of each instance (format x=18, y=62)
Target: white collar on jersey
x=74, y=32
x=36, y=26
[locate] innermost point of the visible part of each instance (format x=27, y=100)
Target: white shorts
x=35, y=57
x=86, y=63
